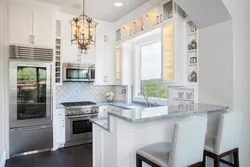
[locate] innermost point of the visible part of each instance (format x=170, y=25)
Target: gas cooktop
x=79, y=104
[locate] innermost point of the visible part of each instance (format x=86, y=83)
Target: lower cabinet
x=60, y=128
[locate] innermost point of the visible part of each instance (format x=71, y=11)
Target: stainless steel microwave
x=78, y=72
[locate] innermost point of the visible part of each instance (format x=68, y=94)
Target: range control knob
x=69, y=112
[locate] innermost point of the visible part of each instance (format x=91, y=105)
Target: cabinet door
x=168, y=53
x=110, y=55
x=60, y=131
x=100, y=54
x=88, y=56
x=118, y=64
x=20, y=25
x=70, y=52
x=42, y=29
x=152, y=17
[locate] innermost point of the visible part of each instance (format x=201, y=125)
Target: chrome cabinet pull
x=33, y=39
x=30, y=39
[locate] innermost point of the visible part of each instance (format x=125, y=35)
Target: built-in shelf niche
x=127, y=30
x=192, y=52
x=138, y=25
x=167, y=11
x=58, y=75
x=191, y=28
x=152, y=18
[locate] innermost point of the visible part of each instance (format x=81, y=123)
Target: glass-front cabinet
x=167, y=10
x=118, y=64
x=127, y=30
x=138, y=25
x=168, y=53
x=152, y=17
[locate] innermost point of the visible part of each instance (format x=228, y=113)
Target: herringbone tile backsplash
x=79, y=91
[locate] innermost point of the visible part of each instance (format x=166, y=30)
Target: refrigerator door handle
x=31, y=128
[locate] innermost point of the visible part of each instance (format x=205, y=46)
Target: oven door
x=79, y=127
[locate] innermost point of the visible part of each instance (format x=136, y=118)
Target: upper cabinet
x=167, y=10
x=168, y=53
x=29, y=27
x=20, y=17
x=118, y=64
x=123, y=65
x=138, y=25
x=152, y=17
x=42, y=28
x=104, y=61
x=173, y=48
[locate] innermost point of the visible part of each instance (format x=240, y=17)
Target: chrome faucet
x=145, y=97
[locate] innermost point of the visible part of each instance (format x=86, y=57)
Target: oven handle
x=81, y=116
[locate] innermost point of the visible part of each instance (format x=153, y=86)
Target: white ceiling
x=99, y=9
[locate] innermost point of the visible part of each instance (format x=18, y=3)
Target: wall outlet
x=123, y=91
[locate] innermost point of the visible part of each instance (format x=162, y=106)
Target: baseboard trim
x=3, y=159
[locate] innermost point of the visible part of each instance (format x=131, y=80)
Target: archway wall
x=238, y=11
x=216, y=64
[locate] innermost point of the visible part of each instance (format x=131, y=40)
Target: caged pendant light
x=83, y=31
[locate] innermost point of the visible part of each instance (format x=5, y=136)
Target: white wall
x=2, y=76
x=241, y=24
x=216, y=64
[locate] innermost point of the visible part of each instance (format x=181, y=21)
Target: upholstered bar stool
x=186, y=149
x=226, y=142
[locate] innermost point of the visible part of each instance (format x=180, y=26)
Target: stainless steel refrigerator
x=30, y=116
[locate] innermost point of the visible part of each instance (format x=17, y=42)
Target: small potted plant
x=110, y=96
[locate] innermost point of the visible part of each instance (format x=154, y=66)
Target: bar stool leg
x=216, y=161
x=138, y=161
x=204, y=160
x=236, y=158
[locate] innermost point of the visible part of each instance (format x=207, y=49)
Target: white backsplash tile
x=80, y=91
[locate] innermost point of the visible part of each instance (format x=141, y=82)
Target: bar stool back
x=226, y=141
x=186, y=148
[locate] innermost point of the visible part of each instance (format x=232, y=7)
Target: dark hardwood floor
x=79, y=156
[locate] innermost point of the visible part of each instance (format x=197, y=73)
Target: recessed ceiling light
x=118, y=4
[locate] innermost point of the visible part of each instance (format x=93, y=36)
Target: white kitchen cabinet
x=123, y=64
x=172, y=53
x=20, y=25
x=70, y=52
x=60, y=127
x=42, y=28
x=30, y=27
x=104, y=60
x=152, y=17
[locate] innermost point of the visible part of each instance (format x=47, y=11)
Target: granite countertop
x=105, y=103
x=142, y=114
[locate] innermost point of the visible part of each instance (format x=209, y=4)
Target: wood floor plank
x=78, y=156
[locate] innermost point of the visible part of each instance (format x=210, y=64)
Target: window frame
x=137, y=68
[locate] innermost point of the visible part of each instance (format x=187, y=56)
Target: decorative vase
x=194, y=44
x=110, y=99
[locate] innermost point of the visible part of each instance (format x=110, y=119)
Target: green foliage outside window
x=30, y=74
x=154, y=88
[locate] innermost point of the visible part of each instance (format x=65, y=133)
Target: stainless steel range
x=78, y=126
